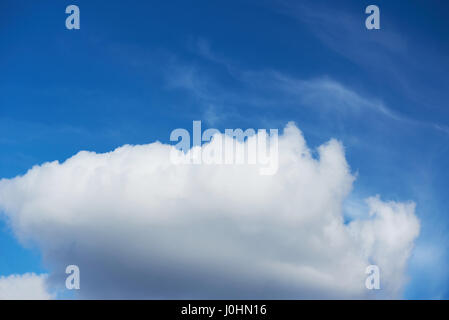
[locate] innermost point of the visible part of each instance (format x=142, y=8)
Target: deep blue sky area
x=136, y=70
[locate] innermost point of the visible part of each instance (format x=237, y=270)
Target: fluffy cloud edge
x=28, y=286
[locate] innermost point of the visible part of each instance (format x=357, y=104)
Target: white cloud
x=28, y=286
x=386, y=240
x=139, y=226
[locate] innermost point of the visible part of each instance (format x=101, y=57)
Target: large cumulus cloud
x=139, y=226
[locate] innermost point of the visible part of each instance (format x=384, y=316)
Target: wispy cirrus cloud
x=392, y=54
x=269, y=89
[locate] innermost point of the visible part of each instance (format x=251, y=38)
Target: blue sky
x=135, y=71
